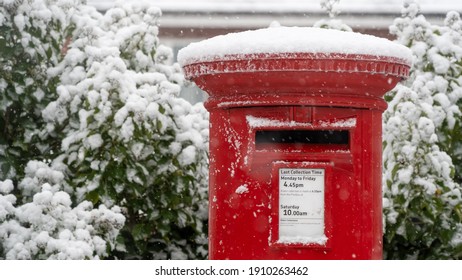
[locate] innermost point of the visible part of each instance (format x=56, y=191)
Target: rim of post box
x=310, y=79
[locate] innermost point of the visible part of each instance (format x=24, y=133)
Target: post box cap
x=296, y=65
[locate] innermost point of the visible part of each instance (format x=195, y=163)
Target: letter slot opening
x=302, y=139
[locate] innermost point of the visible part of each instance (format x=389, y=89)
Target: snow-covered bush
x=422, y=143
x=49, y=227
x=32, y=35
x=37, y=219
x=332, y=23
x=112, y=126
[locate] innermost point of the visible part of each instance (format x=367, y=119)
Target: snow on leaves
x=422, y=195
x=114, y=134
x=49, y=227
x=130, y=141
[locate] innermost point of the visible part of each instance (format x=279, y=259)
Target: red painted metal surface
x=312, y=94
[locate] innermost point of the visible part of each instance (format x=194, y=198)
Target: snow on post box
x=295, y=140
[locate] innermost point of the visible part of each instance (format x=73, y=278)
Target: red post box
x=295, y=140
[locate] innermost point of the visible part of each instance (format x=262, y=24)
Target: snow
x=6, y=205
x=274, y=23
x=440, y=63
x=188, y=155
x=19, y=21
x=93, y=141
x=405, y=174
x=49, y=226
x=345, y=123
x=257, y=122
x=302, y=240
x=6, y=186
x=115, y=103
x=242, y=189
x=427, y=130
x=127, y=129
x=37, y=172
x=288, y=40
x=419, y=154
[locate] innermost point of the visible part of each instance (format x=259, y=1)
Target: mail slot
x=328, y=139
x=295, y=141
x=302, y=137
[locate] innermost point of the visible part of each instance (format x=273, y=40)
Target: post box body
x=295, y=154
x=244, y=192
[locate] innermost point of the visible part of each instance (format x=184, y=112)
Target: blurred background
x=186, y=21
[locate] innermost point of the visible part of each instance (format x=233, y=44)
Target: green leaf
x=158, y=125
x=2, y=44
x=93, y=196
x=161, y=109
x=6, y=167
x=395, y=170
x=142, y=231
